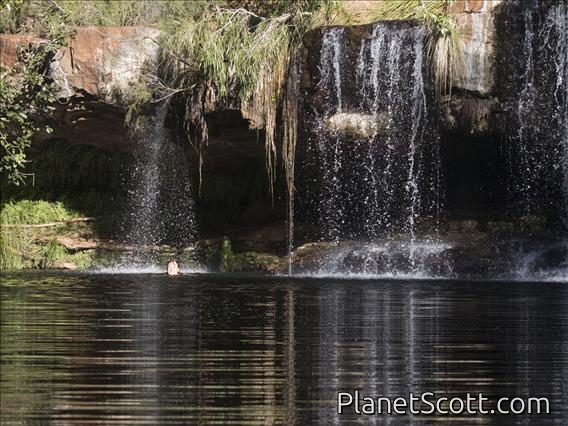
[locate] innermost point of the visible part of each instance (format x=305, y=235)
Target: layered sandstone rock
x=96, y=76
x=475, y=19
x=103, y=62
x=473, y=109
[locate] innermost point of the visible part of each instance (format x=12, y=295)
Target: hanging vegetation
x=237, y=58
x=215, y=52
x=290, y=137
x=446, y=52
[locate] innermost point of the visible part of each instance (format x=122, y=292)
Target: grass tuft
x=237, y=57
x=18, y=246
x=402, y=10
x=34, y=212
x=445, y=50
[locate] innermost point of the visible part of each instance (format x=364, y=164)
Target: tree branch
x=48, y=225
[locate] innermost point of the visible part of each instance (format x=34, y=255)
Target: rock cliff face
x=473, y=108
x=105, y=62
x=475, y=19
x=99, y=70
x=102, y=62
x=103, y=65
x=96, y=74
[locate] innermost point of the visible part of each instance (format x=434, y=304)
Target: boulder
x=463, y=225
x=357, y=124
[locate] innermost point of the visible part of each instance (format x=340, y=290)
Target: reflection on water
x=119, y=349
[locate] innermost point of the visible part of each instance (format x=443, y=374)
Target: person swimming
x=173, y=267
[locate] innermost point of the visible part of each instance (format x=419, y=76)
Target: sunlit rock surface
x=105, y=62
x=11, y=44
x=357, y=124
x=475, y=19
x=97, y=75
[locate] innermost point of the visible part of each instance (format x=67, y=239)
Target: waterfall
x=537, y=144
x=331, y=56
x=538, y=134
x=373, y=156
x=145, y=183
x=160, y=202
x=558, y=19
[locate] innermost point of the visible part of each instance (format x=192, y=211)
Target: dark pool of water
x=147, y=349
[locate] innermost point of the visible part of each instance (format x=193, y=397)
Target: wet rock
x=357, y=124
x=264, y=239
x=473, y=107
x=467, y=256
x=306, y=256
x=553, y=257
x=534, y=224
x=219, y=255
x=254, y=262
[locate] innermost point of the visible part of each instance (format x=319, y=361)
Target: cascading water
x=538, y=131
x=145, y=184
x=537, y=146
x=407, y=127
x=372, y=149
x=331, y=55
x=160, y=202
